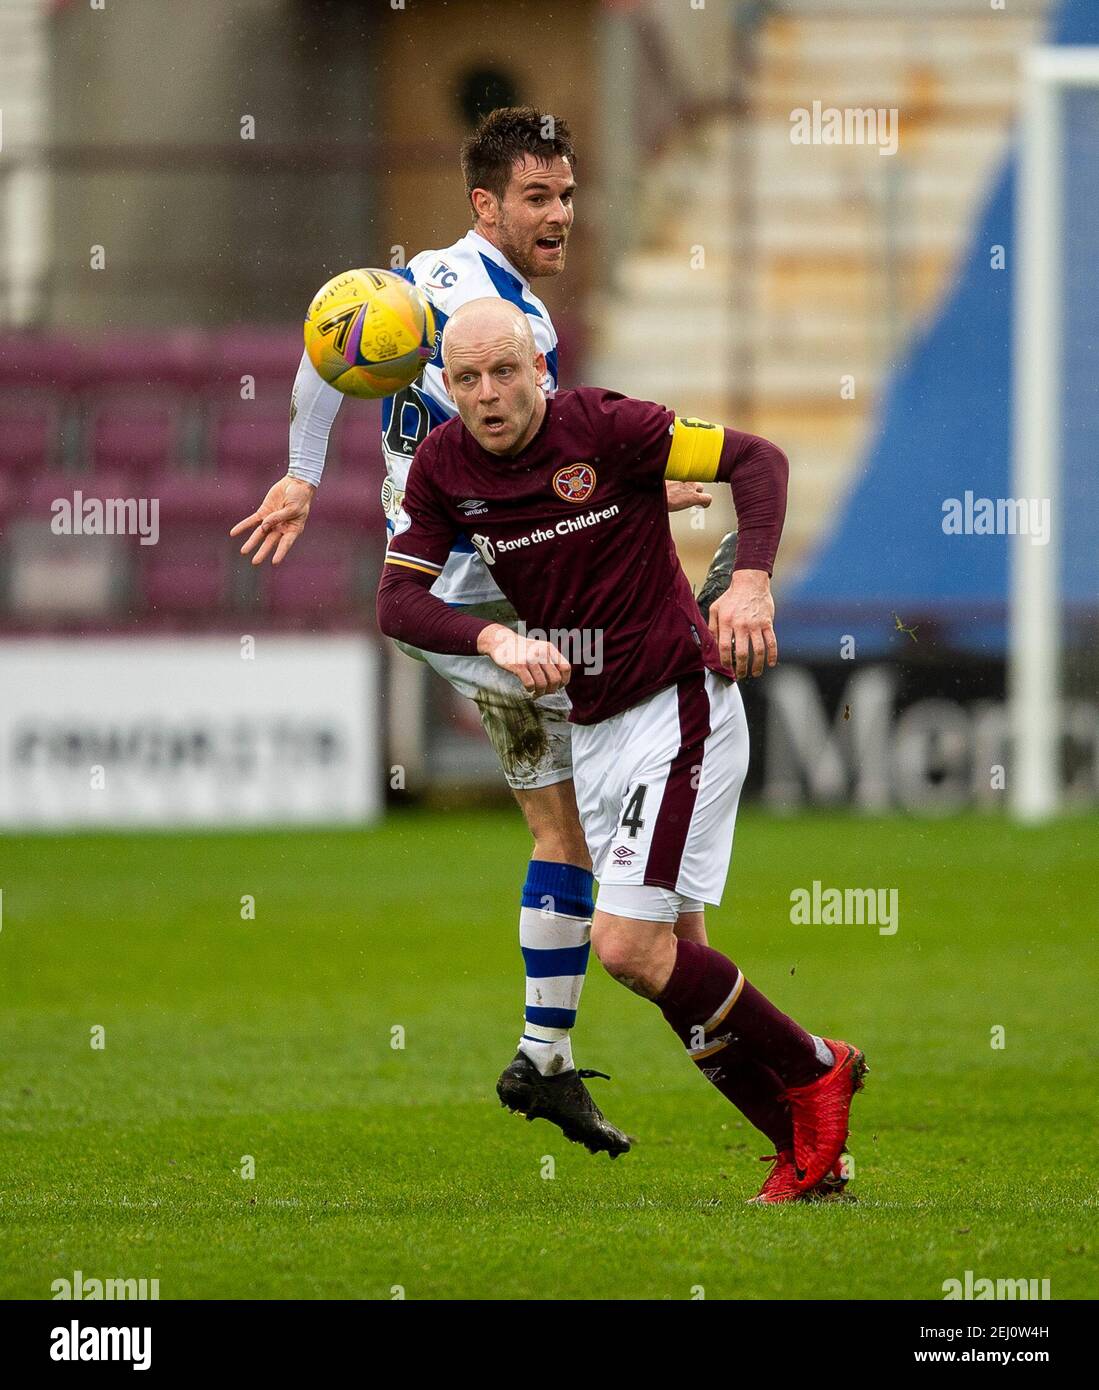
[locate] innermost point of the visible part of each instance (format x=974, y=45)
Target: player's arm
x=410, y=613
x=742, y=619
x=280, y=518
x=654, y=447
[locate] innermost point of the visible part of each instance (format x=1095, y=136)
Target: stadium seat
x=246, y=438
x=159, y=416
x=29, y=438
x=571, y=347
x=270, y=356
x=355, y=469
x=174, y=362
x=356, y=441
x=36, y=498
x=322, y=582
x=8, y=505
x=186, y=573
x=203, y=499
x=49, y=360
x=129, y=435
x=354, y=500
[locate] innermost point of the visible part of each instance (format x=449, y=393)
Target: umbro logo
x=473, y=507
x=622, y=853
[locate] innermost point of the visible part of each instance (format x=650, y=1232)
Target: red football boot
x=781, y=1184
x=821, y=1114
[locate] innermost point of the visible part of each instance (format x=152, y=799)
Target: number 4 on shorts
x=631, y=816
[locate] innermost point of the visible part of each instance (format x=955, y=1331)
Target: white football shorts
x=531, y=738
x=658, y=787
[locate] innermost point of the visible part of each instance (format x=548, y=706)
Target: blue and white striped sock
x=554, y=934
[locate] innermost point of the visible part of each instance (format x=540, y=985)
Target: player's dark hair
x=503, y=137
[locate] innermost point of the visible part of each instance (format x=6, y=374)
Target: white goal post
x=1035, y=636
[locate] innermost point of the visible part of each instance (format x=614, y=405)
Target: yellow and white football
x=369, y=332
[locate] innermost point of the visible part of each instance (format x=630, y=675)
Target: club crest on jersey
x=576, y=483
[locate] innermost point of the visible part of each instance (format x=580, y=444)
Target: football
x=369, y=332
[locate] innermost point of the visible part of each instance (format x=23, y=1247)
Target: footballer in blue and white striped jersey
x=470, y=269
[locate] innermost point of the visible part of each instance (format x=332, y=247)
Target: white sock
x=549, y=1055
x=825, y=1056
x=555, y=935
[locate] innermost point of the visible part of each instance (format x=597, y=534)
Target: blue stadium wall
x=944, y=427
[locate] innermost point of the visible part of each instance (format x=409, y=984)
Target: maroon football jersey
x=574, y=530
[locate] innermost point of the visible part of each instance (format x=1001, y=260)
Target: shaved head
x=492, y=368
x=479, y=322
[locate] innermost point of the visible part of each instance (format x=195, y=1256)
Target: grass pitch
x=378, y=1167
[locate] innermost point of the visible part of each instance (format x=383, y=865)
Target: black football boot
x=719, y=576
x=564, y=1100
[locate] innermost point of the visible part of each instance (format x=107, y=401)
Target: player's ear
x=485, y=206
x=540, y=367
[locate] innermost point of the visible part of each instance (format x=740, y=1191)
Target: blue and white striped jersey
x=470, y=269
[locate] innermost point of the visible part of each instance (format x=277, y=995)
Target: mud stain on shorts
x=515, y=729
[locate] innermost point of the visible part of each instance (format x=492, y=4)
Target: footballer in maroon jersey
x=564, y=501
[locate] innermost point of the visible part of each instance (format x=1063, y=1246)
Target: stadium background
x=175, y=182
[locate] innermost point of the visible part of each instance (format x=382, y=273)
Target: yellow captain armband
x=695, y=452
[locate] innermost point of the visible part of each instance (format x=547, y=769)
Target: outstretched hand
x=278, y=520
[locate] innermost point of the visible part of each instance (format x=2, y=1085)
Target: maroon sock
x=755, y=1090
x=698, y=994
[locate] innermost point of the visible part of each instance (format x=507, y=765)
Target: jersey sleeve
x=423, y=534
x=417, y=551
x=758, y=472
x=313, y=408
x=654, y=445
